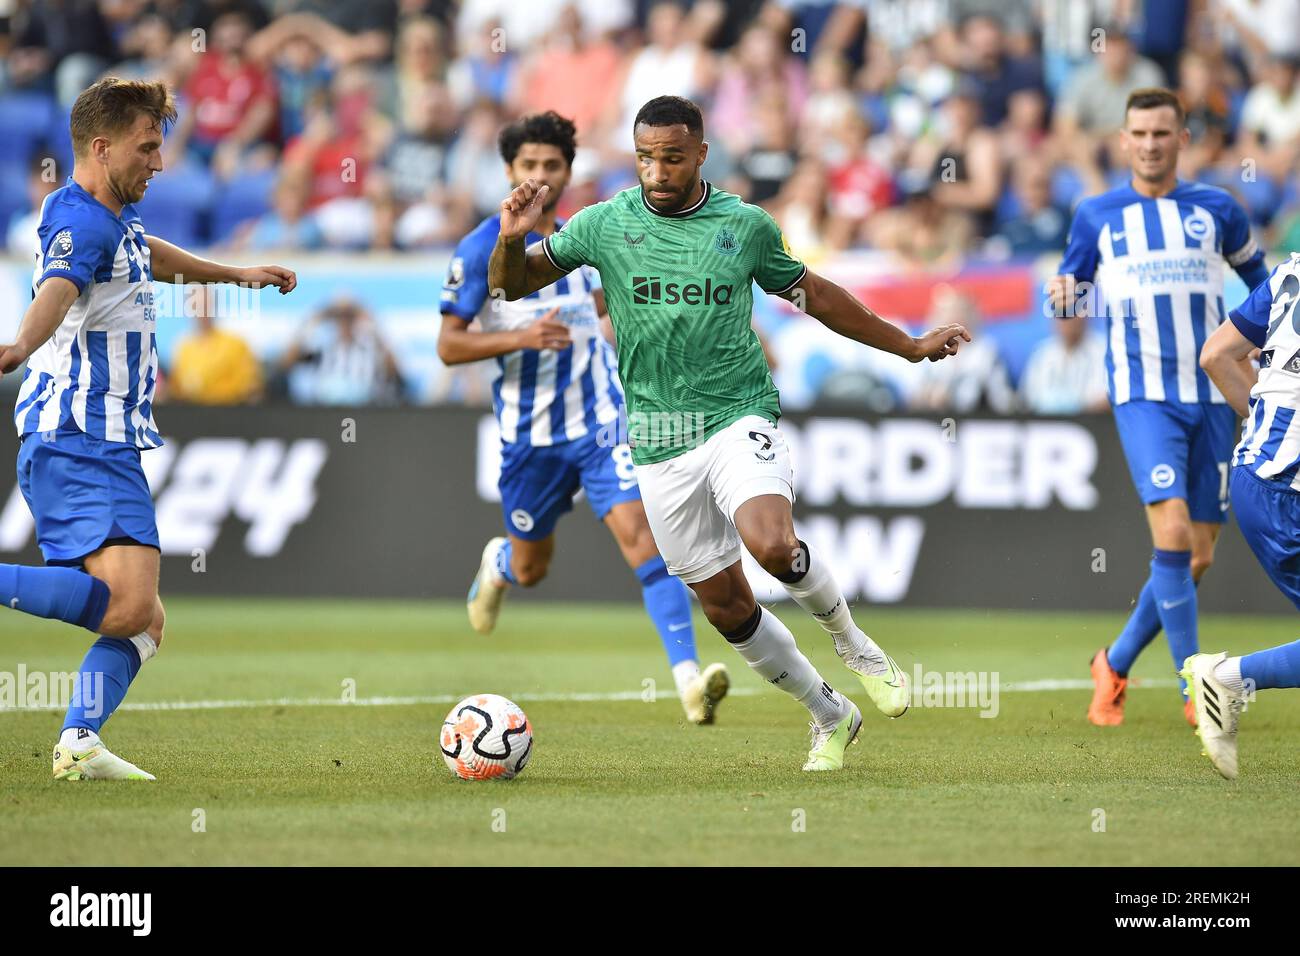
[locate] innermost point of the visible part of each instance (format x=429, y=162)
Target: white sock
x=498, y=578
x=773, y=653
x=684, y=673
x=818, y=594
x=1228, y=672
x=861, y=652
x=144, y=646
x=79, y=738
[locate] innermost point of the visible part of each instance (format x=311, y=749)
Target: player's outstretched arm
x=840, y=312
x=171, y=263
x=458, y=345
x=46, y=313
x=1226, y=359
x=514, y=270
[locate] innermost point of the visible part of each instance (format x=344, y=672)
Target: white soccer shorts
x=691, y=500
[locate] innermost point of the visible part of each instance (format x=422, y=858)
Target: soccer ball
x=486, y=736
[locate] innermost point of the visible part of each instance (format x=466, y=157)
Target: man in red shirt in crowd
x=231, y=100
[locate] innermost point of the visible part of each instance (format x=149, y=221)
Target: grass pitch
x=268, y=767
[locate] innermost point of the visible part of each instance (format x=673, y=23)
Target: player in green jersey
x=677, y=258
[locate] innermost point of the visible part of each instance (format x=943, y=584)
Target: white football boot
x=700, y=697
x=1217, y=711
x=487, y=592
x=882, y=678
x=94, y=762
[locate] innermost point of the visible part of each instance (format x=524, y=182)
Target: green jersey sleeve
x=775, y=269
x=577, y=240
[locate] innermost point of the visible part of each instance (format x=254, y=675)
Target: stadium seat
x=26, y=119
x=177, y=204
x=245, y=198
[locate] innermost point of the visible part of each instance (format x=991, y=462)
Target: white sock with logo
x=684, y=674
x=818, y=594
x=144, y=646
x=79, y=739
x=772, y=652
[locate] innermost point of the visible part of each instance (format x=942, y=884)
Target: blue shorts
x=84, y=493
x=1269, y=517
x=1180, y=450
x=538, y=482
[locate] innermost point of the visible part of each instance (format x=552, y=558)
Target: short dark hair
x=671, y=111
x=550, y=128
x=1153, y=97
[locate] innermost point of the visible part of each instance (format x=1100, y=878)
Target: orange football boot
x=1109, y=689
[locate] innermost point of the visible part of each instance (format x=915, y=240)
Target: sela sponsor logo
x=656, y=290
x=199, y=486
x=1162, y=476
x=75, y=908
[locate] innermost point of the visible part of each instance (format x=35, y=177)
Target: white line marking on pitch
x=595, y=697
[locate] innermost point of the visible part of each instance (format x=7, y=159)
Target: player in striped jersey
x=1156, y=249
x=84, y=410
x=1265, y=494
x=559, y=403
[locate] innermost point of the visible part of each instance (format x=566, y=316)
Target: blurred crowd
x=929, y=131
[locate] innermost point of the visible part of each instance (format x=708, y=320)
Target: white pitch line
x=594, y=697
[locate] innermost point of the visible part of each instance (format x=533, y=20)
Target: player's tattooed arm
x=514, y=270
x=1226, y=359
x=46, y=313
x=840, y=312
x=170, y=263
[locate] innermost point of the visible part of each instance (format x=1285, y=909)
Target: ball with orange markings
x=486, y=737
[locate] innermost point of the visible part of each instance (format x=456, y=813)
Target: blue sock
x=503, y=562
x=64, y=594
x=1275, y=667
x=1175, y=596
x=669, y=605
x=1139, y=631
x=110, y=666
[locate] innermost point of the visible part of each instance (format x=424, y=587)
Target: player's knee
x=776, y=555
x=728, y=616
x=128, y=614
x=1200, y=564
x=528, y=573
x=155, y=629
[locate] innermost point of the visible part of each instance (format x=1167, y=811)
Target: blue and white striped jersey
x=98, y=371
x=1270, y=443
x=1158, y=269
x=540, y=397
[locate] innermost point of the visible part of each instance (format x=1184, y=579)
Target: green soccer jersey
x=679, y=292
